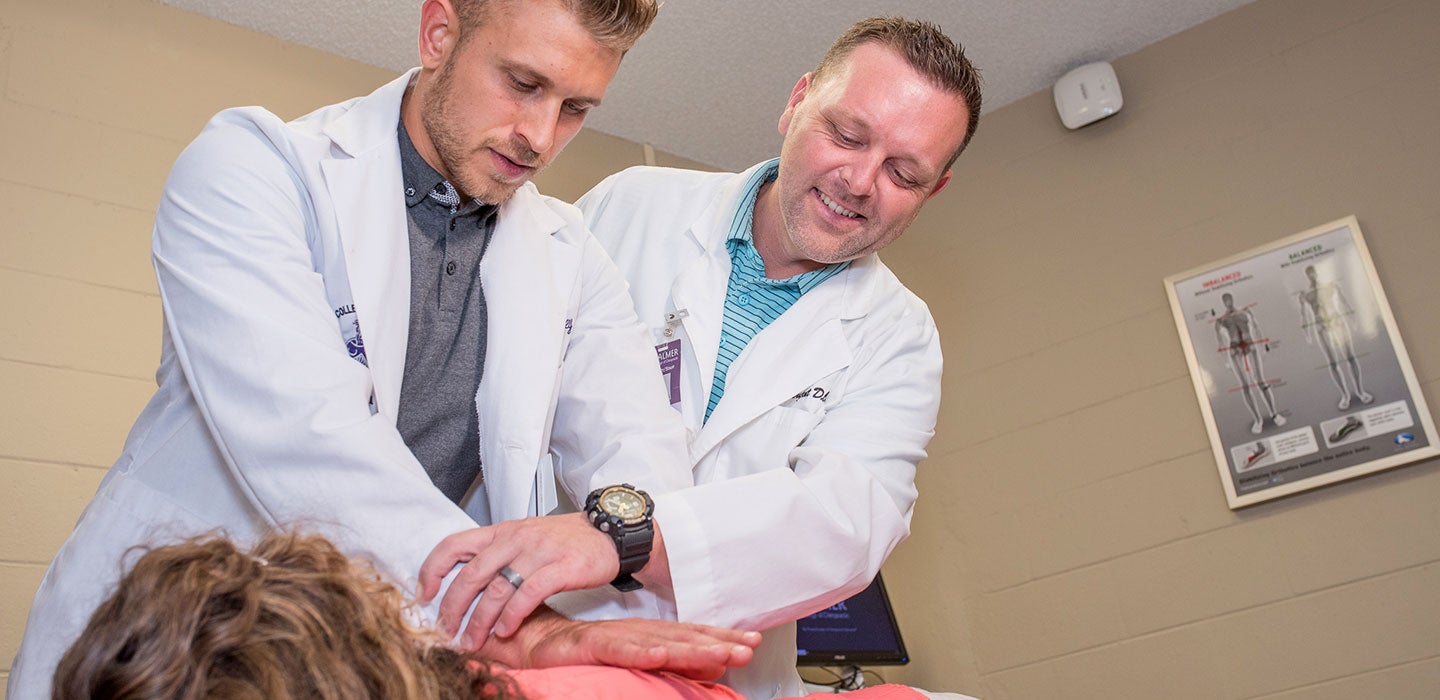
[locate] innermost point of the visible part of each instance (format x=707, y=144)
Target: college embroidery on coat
x=354, y=342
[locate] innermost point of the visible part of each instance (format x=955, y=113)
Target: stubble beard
x=436, y=115
x=807, y=238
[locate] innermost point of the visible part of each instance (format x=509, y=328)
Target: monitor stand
x=851, y=678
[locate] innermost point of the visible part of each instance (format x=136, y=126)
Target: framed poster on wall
x=1301, y=375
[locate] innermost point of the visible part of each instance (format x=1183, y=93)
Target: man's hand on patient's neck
x=551, y=554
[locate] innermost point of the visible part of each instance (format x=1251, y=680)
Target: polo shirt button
x=409, y=191
x=450, y=268
x=744, y=299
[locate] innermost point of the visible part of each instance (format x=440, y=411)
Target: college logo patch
x=356, y=347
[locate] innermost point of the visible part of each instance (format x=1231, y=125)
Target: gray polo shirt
x=445, y=353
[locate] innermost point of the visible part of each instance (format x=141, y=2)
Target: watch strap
x=633, y=542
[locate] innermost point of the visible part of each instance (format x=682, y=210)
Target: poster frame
x=1257, y=267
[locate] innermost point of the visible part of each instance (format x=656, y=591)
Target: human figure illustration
x=1238, y=333
x=1323, y=308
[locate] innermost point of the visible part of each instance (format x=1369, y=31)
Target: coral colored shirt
x=610, y=683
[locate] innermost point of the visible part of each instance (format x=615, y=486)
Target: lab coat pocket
x=765, y=443
x=546, y=497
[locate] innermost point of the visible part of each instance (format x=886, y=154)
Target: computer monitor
x=859, y=630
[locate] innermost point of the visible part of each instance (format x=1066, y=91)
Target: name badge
x=669, y=356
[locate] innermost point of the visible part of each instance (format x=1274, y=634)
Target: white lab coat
x=270, y=241
x=807, y=464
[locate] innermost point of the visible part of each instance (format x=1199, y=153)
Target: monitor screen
x=859, y=630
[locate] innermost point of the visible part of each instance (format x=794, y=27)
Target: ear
x=944, y=180
x=439, y=32
x=796, y=97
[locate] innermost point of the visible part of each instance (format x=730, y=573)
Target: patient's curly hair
x=290, y=618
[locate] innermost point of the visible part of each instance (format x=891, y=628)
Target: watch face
x=623, y=503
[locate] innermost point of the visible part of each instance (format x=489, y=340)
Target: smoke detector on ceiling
x=1087, y=94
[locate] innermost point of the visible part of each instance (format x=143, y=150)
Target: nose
x=538, y=125
x=860, y=175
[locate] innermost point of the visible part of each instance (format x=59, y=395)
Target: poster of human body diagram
x=1299, y=369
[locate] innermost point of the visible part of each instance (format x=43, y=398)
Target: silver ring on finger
x=509, y=574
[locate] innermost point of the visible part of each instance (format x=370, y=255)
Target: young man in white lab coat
x=289, y=259
x=806, y=373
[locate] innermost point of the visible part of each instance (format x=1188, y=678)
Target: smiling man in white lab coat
x=368, y=306
x=807, y=374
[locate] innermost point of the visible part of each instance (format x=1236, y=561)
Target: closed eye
x=841, y=137
x=902, y=179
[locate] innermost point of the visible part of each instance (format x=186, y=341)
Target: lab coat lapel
x=699, y=289
x=805, y=344
x=528, y=277
x=365, y=191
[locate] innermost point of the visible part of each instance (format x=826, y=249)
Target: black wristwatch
x=624, y=513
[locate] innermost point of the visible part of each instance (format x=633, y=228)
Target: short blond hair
x=616, y=24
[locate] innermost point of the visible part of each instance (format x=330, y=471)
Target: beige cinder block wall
x=99, y=97
x=1072, y=539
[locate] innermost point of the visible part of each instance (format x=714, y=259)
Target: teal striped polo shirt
x=753, y=302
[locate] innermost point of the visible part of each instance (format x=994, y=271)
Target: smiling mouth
x=835, y=206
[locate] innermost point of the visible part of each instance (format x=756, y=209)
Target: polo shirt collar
x=420, y=178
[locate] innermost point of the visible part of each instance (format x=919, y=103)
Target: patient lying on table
x=292, y=617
